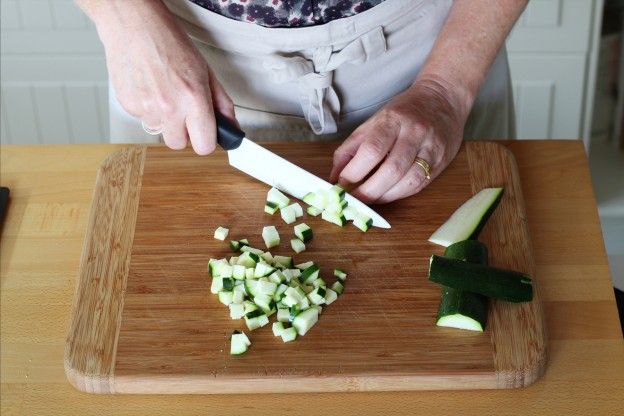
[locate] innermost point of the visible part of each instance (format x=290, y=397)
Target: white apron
x=321, y=82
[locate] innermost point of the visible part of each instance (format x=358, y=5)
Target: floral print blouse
x=287, y=13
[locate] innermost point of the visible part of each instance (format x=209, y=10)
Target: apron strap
x=317, y=97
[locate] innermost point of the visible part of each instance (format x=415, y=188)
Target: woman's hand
x=158, y=74
x=426, y=121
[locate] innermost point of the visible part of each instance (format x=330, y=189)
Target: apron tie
x=317, y=97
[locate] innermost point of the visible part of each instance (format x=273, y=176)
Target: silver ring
x=152, y=132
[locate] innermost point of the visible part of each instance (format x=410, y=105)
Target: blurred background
x=566, y=57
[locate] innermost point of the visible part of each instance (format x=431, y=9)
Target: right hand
x=160, y=77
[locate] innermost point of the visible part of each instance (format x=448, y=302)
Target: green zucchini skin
x=457, y=302
x=495, y=283
x=486, y=216
x=472, y=251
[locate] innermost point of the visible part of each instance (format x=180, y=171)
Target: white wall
x=54, y=90
x=53, y=74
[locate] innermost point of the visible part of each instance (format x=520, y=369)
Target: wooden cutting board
x=144, y=320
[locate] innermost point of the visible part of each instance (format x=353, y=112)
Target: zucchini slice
x=468, y=220
x=495, y=283
x=303, y=232
x=458, y=308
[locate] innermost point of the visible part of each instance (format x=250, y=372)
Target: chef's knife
x=275, y=171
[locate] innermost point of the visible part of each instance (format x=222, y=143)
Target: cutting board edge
x=89, y=366
x=511, y=373
x=313, y=384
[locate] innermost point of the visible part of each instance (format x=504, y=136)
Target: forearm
x=111, y=15
x=467, y=45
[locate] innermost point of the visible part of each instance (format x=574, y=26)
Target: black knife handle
x=229, y=136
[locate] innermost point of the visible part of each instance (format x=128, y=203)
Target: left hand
x=425, y=121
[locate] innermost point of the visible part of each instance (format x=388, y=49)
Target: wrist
x=459, y=97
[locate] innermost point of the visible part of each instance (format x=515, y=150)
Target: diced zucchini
x=303, y=232
x=265, y=302
x=468, y=220
x=277, y=277
x=289, y=334
x=315, y=200
x=255, y=251
x=319, y=282
x=216, y=285
x=288, y=214
x=265, y=288
x=221, y=233
x=249, y=306
x=305, y=320
x=270, y=207
x=303, y=266
x=238, y=272
x=315, y=212
x=263, y=269
x=310, y=274
x=277, y=328
x=363, y=223
x=330, y=296
x=279, y=292
x=297, y=208
x=234, y=245
x=249, y=273
x=243, y=242
x=256, y=319
x=317, y=296
x=239, y=294
x=237, y=310
x=228, y=283
x=278, y=198
x=285, y=261
x=338, y=192
x=225, y=297
x=334, y=218
x=267, y=256
x=248, y=260
x=337, y=287
x=350, y=213
x=341, y=275
x=297, y=245
x=283, y=315
x=270, y=236
x=239, y=343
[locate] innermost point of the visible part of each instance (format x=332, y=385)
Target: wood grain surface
x=164, y=333
x=52, y=189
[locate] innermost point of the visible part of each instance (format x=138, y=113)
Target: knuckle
x=374, y=148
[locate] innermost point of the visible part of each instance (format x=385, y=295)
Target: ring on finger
x=150, y=131
x=426, y=167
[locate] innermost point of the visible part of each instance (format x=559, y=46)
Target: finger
x=414, y=179
x=390, y=172
x=175, y=134
x=344, y=154
x=379, y=138
x=221, y=100
x=202, y=128
x=151, y=115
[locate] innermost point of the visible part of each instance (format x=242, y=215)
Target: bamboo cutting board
x=144, y=320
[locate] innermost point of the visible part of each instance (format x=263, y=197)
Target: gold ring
x=424, y=165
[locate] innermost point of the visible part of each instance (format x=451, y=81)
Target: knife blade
x=264, y=165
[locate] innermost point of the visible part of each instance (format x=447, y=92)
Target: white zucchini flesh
x=289, y=215
x=270, y=236
x=277, y=328
x=461, y=322
x=467, y=218
x=239, y=343
x=221, y=233
x=278, y=198
x=289, y=334
x=237, y=311
x=305, y=320
x=297, y=245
